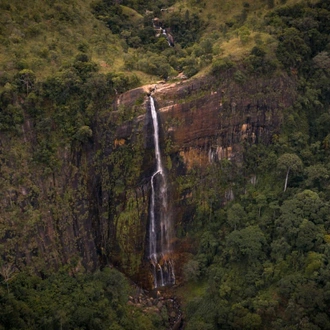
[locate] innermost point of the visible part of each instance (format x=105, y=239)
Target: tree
x=247, y=243
x=292, y=49
x=26, y=79
x=322, y=60
x=301, y=222
x=191, y=270
x=317, y=175
x=261, y=200
x=236, y=216
x=7, y=271
x=309, y=236
x=289, y=162
x=244, y=34
x=84, y=133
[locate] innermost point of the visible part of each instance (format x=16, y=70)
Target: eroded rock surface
x=204, y=121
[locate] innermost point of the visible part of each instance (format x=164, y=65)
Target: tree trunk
x=286, y=179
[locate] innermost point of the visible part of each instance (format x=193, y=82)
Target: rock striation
x=204, y=121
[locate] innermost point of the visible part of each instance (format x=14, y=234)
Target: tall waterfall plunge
x=160, y=228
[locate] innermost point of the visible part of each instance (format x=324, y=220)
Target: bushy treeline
x=66, y=101
x=76, y=301
x=264, y=260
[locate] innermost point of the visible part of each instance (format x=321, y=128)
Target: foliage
x=289, y=162
x=220, y=66
x=141, y=35
x=272, y=249
x=61, y=301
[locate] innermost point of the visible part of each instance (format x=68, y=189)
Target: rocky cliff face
x=202, y=122
x=94, y=211
x=208, y=120
x=211, y=123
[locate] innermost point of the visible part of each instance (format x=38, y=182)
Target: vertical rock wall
x=94, y=211
x=201, y=122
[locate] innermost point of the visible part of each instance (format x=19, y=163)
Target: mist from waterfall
x=160, y=228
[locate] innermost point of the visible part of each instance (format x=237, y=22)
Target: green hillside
x=44, y=37
x=259, y=260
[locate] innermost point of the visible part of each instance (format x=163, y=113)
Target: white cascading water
x=160, y=229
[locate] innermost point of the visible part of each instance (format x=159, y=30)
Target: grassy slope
x=219, y=13
x=43, y=37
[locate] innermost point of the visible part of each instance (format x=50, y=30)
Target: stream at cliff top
x=160, y=227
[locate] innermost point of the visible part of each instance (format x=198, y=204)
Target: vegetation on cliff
x=262, y=258
x=70, y=196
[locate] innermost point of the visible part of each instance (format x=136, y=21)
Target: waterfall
x=168, y=37
x=160, y=229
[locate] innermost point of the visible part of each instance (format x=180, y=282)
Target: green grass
x=132, y=14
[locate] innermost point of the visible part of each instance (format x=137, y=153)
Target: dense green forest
x=82, y=301
x=260, y=260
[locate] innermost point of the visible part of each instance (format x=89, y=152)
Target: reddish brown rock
x=206, y=119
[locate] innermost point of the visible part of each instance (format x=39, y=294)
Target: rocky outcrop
x=208, y=120
x=161, y=303
x=91, y=209
x=204, y=121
